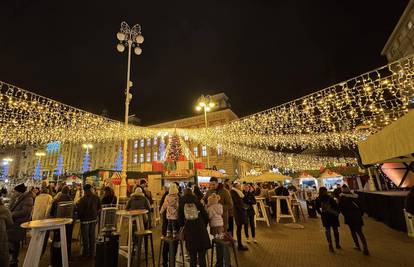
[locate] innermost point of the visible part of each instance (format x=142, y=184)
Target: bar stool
x=171, y=250
x=298, y=209
x=260, y=211
x=132, y=215
x=224, y=243
x=139, y=237
x=279, y=214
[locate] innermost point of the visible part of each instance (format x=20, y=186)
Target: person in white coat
x=42, y=205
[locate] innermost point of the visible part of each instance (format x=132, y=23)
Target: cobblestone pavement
x=285, y=247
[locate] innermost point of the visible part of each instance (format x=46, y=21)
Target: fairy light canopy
x=337, y=116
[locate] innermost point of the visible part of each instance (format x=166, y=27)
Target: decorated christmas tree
x=85, y=163
x=59, y=166
x=118, y=161
x=175, y=151
x=38, y=171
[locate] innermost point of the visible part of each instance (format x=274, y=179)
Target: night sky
x=259, y=53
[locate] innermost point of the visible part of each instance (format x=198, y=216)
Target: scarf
x=240, y=193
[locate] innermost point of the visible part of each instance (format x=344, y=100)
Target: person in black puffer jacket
x=250, y=200
x=138, y=201
x=327, y=207
x=350, y=208
x=197, y=240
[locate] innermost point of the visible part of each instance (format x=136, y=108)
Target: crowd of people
x=188, y=213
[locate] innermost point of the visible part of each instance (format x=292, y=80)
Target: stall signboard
x=179, y=173
x=210, y=173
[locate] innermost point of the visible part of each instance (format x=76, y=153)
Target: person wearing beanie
x=225, y=201
x=88, y=209
x=138, y=201
x=21, y=209
x=170, y=206
x=215, y=214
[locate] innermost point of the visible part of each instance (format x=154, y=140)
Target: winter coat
x=215, y=214
x=250, y=200
x=21, y=211
x=42, y=206
x=88, y=207
x=59, y=198
x=6, y=222
x=138, y=202
x=328, y=208
x=225, y=200
x=349, y=206
x=239, y=207
x=109, y=200
x=195, y=231
x=170, y=205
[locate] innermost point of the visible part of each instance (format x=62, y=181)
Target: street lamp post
x=131, y=38
x=206, y=104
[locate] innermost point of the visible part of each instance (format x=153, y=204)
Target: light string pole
x=131, y=38
x=205, y=103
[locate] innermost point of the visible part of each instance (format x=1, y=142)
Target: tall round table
x=131, y=215
x=39, y=228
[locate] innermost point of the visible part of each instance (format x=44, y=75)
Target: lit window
x=204, y=151
x=135, y=158
x=141, y=158
x=219, y=151
x=148, y=156
x=148, y=141
x=141, y=142
x=136, y=144
x=155, y=141
x=195, y=151
x=155, y=156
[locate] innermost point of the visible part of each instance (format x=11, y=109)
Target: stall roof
x=394, y=143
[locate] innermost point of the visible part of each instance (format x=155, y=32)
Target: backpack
x=190, y=212
x=326, y=207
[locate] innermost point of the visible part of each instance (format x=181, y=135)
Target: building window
x=219, y=151
x=195, y=149
x=141, y=158
x=204, y=151
x=141, y=142
x=155, y=141
x=149, y=142
x=155, y=156
x=136, y=144
x=135, y=158
x=149, y=157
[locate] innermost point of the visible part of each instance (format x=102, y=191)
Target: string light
x=337, y=116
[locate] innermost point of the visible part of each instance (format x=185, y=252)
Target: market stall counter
x=386, y=207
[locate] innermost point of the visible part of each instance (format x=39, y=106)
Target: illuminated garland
x=338, y=116
x=28, y=118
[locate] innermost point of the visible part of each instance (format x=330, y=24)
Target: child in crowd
x=215, y=214
x=170, y=205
